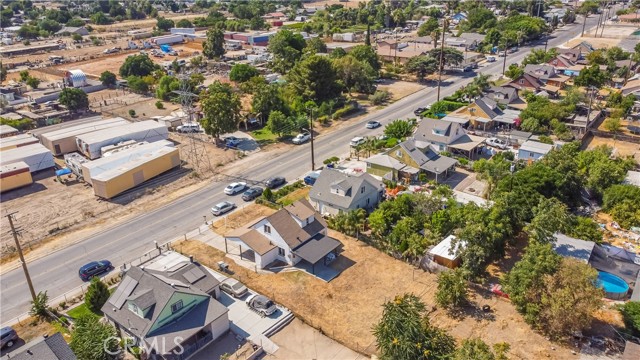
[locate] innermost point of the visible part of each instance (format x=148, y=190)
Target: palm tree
x=481, y=81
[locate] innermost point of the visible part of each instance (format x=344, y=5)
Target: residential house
x=533, y=150
x=573, y=55
x=546, y=74
x=168, y=307
x=446, y=253
x=441, y=135
x=52, y=347
x=582, y=119
x=480, y=113
x=290, y=235
x=507, y=96
x=408, y=159
x=472, y=40
x=73, y=30
x=632, y=87
x=632, y=178
x=457, y=17
x=561, y=62
x=335, y=191
x=526, y=82
x=585, y=48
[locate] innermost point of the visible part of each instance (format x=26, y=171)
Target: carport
x=316, y=249
x=467, y=144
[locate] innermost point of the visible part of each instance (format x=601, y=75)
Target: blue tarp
x=165, y=48
x=64, y=171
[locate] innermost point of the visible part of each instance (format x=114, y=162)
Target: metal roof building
x=17, y=141
x=75, y=78
x=36, y=156
x=91, y=144
x=63, y=141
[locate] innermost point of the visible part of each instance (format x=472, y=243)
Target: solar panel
x=193, y=275
x=123, y=291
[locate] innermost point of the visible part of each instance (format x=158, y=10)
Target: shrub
x=132, y=112
x=391, y=142
x=159, y=104
x=331, y=160
x=631, y=316
x=379, y=97
x=345, y=111
x=97, y=295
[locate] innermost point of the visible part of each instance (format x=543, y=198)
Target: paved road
x=57, y=272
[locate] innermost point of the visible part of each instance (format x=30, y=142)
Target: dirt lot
x=341, y=310
x=400, y=89
x=620, y=147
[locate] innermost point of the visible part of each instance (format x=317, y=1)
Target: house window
x=441, y=147
x=177, y=306
x=368, y=201
x=368, y=165
x=530, y=154
x=280, y=251
x=521, y=81
x=267, y=229
x=362, y=190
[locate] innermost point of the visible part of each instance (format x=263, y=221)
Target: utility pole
x=19, y=249
x=313, y=162
x=444, y=25
x=504, y=64
x=591, y=88
x=584, y=23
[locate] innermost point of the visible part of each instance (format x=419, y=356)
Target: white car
x=222, y=208
x=497, y=143
x=358, y=140
x=235, y=188
x=301, y=138
x=491, y=58
x=188, y=128
x=372, y=124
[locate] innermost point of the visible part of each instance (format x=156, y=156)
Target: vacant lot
x=622, y=148
x=350, y=305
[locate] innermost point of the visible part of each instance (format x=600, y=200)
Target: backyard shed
x=14, y=175
x=91, y=144
x=13, y=142
x=75, y=78
x=134, y=172
x=445, y=254
x=6, y=131
x=36, y=156
x=96, y=167
x=63, y=141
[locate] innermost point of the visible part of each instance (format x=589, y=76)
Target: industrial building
x=91, y=144
x=120, y=157
x=36, y=156
x=13, y=176
x=13, y=142
x=63, y=141
x=6, y=131
x=134, y=172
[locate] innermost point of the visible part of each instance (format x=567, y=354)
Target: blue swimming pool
x=614, y=286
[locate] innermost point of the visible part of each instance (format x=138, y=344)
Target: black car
x=252, y=193
x=94, y=268
x=274, y=182
x=8, y=337
x=419, y=111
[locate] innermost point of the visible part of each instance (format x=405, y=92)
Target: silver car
x=233, y=287
x=222, y=208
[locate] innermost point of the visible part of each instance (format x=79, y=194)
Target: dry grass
x=621, y=148
x=31, y=328
x=241, y=217
x=289, y=199
x=349, y=306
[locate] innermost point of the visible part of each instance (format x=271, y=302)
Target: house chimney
x=191, y=258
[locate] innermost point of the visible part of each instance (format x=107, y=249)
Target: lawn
x=264, y=136
x=82, y=310
x=294, y=196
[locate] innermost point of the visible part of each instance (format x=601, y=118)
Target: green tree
x=184, y=23
x=166, y=86
x=97, y=295
x=314, y=78
x=221, y=108
x=137, y=65
x=550, y=216
x=107, y=78
x=539, y=56
x=631, y=316
x=613, y=125
x=366, y=54
x=267, y=98
x=405, y=333
x=314, y=46
x=93, y=340
x=164, y=24
x=39, y=305
x=280, y=124
x=99, y=18
x=137, y=84
x=479, y=18
x=422, y=66
x=450, y=56
x=354, y=74
x=626, y=213
x=286, y=48
x=398, y=129
x=242, y=72
x=617, y=194
x=474, y=349
x=74, y=99
x=588, y=7
x=428, y=27
x=33, y=82
x=584, y=228
x=452, y=289
x=24, y=75
x=591, y=76
x=213, y=47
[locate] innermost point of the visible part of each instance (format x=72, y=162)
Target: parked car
x=419, y=111
x=311, y=178
x=512, y=50
x=301, y=138
x=275, y=181
x=497, y=143
x=358, y=140
x=466, y=69
x=8, y=337
x=373, y=124
x=233, y=287
x=231, y=141
x=252, y=193
x=235, y=188
x=223, y=207
x=94, y=268
x=188, y=128
x=261, y=304
x=491, y=58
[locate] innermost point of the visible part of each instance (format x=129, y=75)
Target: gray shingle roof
x=489, y=107
x=321, y=190
x=426, y=127
x=543, y=71
x=283, y=222
x=51, y=348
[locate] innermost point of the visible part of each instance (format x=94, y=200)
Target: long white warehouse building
x=63, y=140
x=36, y=156
x=91, y=144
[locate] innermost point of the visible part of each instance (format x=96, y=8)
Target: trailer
x=120, y=157
x=91, y=144
x=13, y=176
x=6, y=131
x=74, y=163
x=167, y=39
x=13, y=142
x=36, y=156
x=135, y=172
x=63, y=141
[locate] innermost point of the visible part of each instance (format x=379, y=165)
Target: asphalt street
x=57, y=272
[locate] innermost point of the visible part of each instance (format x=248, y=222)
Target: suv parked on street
x=94, y=268
x=233, y=287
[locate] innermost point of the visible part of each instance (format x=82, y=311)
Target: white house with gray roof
x=533, y=150
x=168, y=307
x=335, y=192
